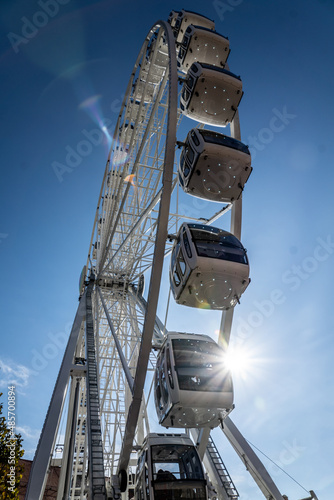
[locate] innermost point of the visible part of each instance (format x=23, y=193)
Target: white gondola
x=169, y=468
x=192, y=386
x=173, y=15
x=209, y=267
x=202, y=45
x=184, y=19
x=210, y=94
x=214, y=166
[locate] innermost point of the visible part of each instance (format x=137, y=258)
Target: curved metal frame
x=158, y=257
x=130, y=238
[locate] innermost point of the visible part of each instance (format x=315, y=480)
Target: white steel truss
x=110, y=348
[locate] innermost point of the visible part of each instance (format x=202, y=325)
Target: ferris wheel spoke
x=141, y=146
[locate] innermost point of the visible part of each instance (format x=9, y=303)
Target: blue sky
x=59, y=66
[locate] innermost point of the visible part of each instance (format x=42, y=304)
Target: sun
x=239, y=360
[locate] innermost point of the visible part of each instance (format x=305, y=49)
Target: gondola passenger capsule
x=202, y=45
x=209, y=267
x=210, y=95
x=173, y=15
x=214, y=166
x=192, y=386
x=168, y=468
x=184, y=18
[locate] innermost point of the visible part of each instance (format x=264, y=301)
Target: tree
x=10, y=453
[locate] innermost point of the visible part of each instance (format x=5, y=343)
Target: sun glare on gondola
x=239, y=361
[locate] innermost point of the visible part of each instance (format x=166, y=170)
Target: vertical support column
x=225, y=328
x=236, y=211
x=69, y=442
x=202, y=440
x=96, y=486
x=236, y=215
x=40, y=466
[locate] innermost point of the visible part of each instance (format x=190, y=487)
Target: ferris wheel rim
x=161, y=237
x=161, y=229
x=127, y=96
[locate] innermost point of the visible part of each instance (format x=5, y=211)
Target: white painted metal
x=252, y=463
x=214, y=166
x=47, y=441
x=219, y=477
x=208, y=274
x=202, y=45
x=236, y=216
x=66, y=471
x=169, y=467
x=124, y=232
x=210, y=95
x=192, y=386
x=131, y=224
x=186, y=18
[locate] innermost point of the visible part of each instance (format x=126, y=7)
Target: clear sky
x=64, y=66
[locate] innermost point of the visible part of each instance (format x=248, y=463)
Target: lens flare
x=204, y=305
x=121, y=153
x=89, y=102
x=130, y=178
x=91, y=106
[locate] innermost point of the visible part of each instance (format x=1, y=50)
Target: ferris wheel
x=120, y=360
